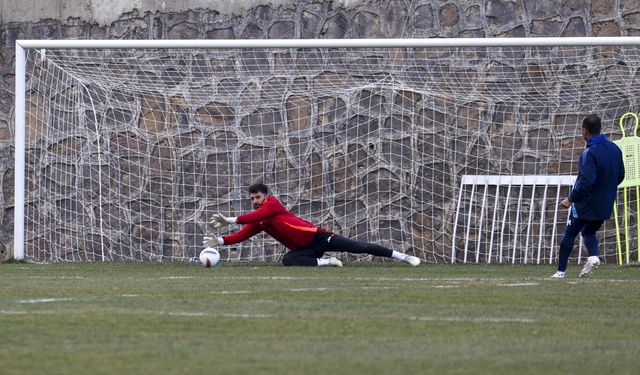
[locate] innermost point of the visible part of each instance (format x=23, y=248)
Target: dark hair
x=593, y=124
x=255, y=188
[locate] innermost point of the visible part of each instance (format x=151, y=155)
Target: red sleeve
x=270, y=208
x=247, y=231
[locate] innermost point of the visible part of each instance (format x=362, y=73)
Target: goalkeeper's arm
x=247, y=231
x=212, y=241
x=219, y=221
x=270, y=208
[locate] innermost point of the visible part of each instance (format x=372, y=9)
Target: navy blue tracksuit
x=601, y=170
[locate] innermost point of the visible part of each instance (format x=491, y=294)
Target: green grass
x=164, y=318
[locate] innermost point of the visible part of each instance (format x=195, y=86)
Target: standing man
x=306, y=242
x=600, y=172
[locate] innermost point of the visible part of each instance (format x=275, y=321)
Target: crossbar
x=334, y=43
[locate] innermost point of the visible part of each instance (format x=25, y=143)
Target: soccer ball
x=209, y=257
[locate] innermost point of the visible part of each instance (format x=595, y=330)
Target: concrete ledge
x=103, y=12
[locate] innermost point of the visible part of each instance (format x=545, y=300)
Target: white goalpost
x=453, y=150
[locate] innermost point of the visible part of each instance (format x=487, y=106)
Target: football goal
x=453, y=150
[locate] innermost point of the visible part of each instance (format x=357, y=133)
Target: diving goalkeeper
x=306, y=242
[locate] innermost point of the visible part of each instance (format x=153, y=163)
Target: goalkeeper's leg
x=304, y=257
x=336, y=242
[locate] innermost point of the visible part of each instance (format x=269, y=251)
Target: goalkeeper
x=306, y=242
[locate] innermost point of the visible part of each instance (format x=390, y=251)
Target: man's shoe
x=592, y=264
x=414, y=261
x=335, y=262
x=557, y=275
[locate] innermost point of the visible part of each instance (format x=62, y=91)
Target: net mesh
x=130, y=151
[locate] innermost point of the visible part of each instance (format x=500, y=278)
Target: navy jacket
x=601, y=171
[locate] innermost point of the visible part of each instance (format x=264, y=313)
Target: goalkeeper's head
x=257, y=194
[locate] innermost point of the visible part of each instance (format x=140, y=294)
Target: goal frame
x=21, y=47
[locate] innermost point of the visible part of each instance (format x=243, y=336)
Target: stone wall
x=313, y=19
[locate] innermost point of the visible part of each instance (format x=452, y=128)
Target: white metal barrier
x=495, y=197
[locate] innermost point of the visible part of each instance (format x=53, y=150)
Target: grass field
x=173, y=318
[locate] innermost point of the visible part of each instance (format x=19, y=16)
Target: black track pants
x=326, y=241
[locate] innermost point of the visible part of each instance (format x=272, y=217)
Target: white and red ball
x=209, y=257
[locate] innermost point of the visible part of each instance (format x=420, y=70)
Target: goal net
x=129, y=151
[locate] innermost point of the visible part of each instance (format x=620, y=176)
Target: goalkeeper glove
x=212, y=241
x=219, y=221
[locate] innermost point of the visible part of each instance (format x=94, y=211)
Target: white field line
x=39, y=312
x=472, y=320
x=42, y=277
x=592, y=281
x=232, y=292
x=184, y=313
x=295, y=290
x=300, y=278
x=45, y=277
x=206, y=314
x=43, y=300
x=338, y=277
x=287, y=278
x=197, y=314
x=245, y=315
x=176, y=277
x=188, y=314
x=519, y=284
x=434, y=279
x=427, y=279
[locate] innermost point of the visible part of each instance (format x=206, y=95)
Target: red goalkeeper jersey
x=273, y=218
